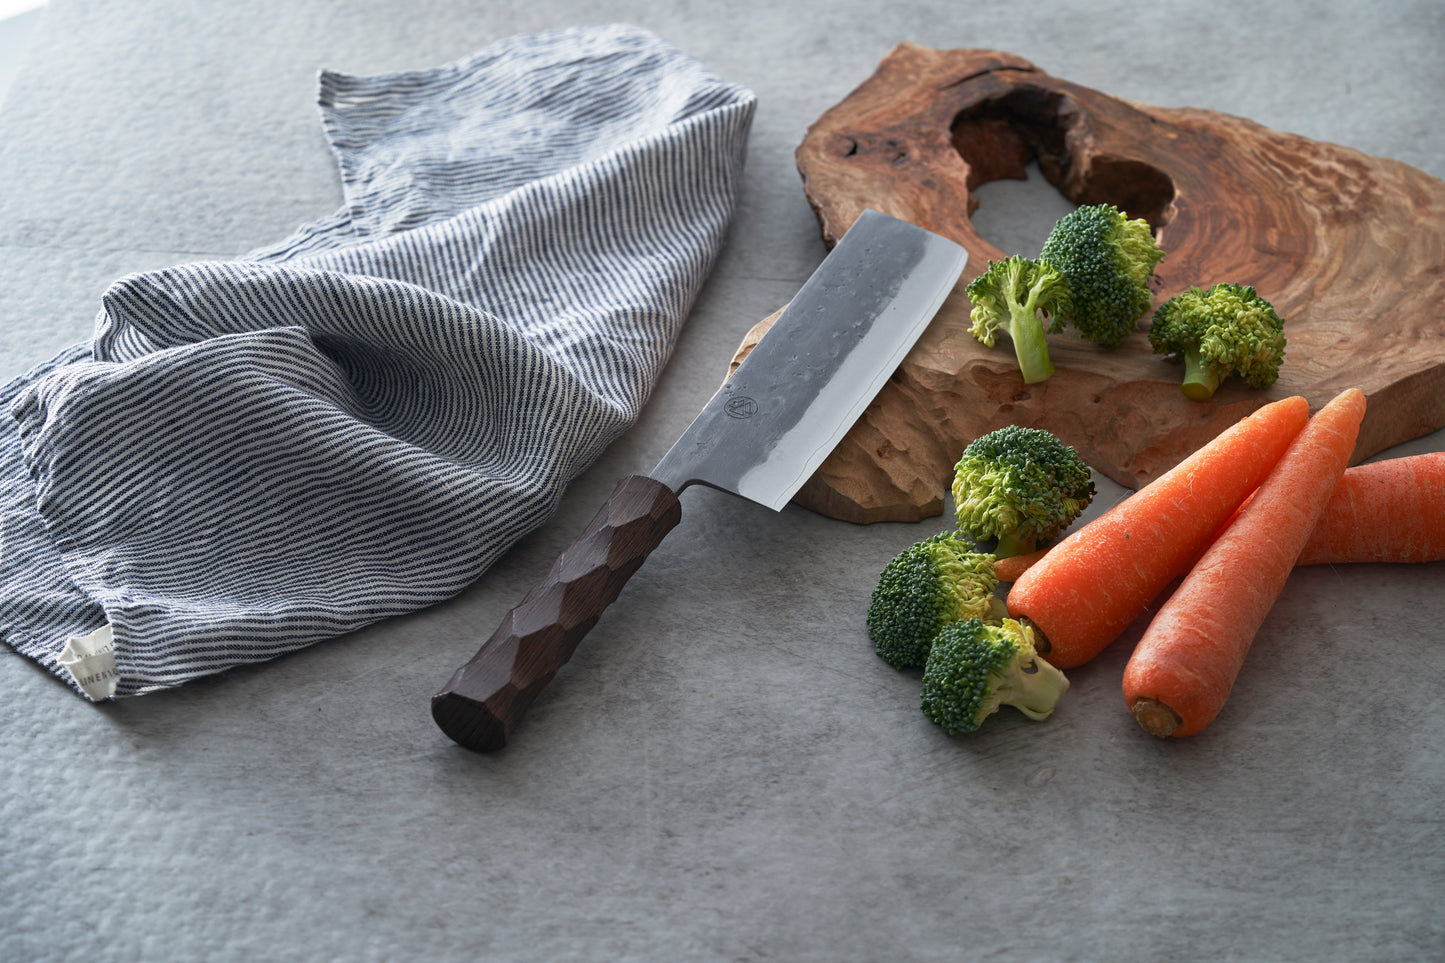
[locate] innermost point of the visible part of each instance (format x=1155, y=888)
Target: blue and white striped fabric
x=254, y=455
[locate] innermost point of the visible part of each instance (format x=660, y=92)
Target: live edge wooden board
x=1347, y=246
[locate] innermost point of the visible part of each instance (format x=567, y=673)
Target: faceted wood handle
x=487, y=697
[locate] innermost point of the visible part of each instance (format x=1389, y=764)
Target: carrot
x=1391, y=510
x=1009, y=569
x=1384, y=511
x=1186, y=662
x=1094, y=582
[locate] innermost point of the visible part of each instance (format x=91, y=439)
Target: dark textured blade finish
x=820, y=364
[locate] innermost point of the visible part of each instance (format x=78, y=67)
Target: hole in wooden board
x=1022, y=178
x=1016, y=216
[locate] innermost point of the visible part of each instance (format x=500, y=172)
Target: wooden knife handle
x=487, y=697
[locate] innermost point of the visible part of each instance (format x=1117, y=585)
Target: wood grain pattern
x=1347, y=246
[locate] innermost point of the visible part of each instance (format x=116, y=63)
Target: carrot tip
x=1156, y=718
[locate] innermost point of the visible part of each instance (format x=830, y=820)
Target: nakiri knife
x=761, y=436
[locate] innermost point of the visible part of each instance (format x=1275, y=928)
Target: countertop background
x=725, y=771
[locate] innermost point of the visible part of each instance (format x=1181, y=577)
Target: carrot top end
x=1155, y=717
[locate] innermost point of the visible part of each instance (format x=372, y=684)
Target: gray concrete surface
x=725, y=771
x=17, y=23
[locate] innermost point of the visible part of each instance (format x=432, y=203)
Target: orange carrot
x=1384, y=511
x=1186, y=662
x=1090, y=586
x=1009, y=569
x=1391, y=510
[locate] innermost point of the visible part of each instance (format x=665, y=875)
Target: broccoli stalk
x=974, y=668
x=1019, y=486
x=1108, y=261
x=926, y=586
x=1009, y=296
x=1226, y=330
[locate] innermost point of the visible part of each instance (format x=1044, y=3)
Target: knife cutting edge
x=761, y=436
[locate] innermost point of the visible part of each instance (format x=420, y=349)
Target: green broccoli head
x=1108, y=260
x=1020, y=486
x=926, y=586
x=1009, y=297
x=1226, y=330
x=974, y=667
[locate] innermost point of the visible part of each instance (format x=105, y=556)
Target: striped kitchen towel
x=253, y=455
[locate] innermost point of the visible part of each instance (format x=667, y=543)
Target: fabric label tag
x=90, y=660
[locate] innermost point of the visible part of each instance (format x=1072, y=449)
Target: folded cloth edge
x=720, y=205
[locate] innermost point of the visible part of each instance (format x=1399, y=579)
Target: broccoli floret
x=1108, y=260
x=926, y=586
x=1009, y=296
x=1226, y=330
x=975, y=667
x=1020, y=486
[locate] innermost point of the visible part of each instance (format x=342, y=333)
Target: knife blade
x=761, y=436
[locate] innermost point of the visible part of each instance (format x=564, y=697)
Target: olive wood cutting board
x=1350, y=249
